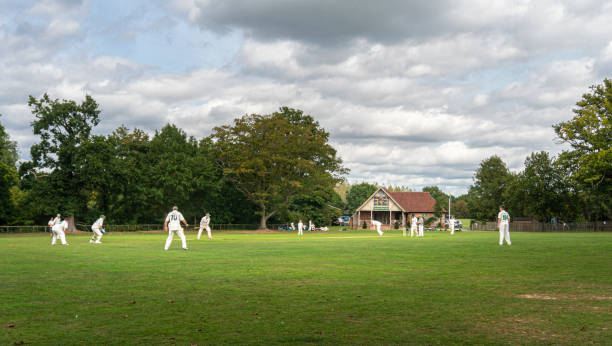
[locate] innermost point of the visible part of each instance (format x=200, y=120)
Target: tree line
x=273, y=168
x=263, y=168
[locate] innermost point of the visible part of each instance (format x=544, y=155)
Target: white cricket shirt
x=174, y=219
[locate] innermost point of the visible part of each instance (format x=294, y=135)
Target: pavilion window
x=381, y=200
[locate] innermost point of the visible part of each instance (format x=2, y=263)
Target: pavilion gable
x=380, y=200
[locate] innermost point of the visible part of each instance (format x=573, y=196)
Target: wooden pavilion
x=388, y=207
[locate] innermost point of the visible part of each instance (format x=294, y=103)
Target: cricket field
x=334, y=288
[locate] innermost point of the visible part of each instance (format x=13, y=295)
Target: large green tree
x=274, y=158
x=56, y=168
x=491, y=181
x=542, y=188
x=589, y=133
x=8, y=175
x=357, y=194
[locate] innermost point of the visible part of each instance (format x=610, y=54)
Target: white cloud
x=419, y=98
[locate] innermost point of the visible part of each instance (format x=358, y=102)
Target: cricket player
x=57, y=219
x=451, y=224
x=377, y=224
x=204, y=224
x=292, y=227
x=503, y=222
x=58, y=230
x=300, y=227
x=51, y=223
x=97, y=230
x=310, y=225
x=413, y=226
x=173, y=225
x=421, y=224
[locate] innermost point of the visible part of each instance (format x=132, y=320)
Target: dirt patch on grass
x=540, y=296
x=523, y=327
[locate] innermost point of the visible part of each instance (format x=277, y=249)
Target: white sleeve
x=168, y=217
x=181, y=217
x=499, y=215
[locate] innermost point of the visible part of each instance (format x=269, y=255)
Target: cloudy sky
x=413, y=92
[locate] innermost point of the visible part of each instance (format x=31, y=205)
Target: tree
x=64, y=127
x=357, y=194
x=491, y=181
x=127, y=196
x=460, y=208
x=274, y=158
x=440, y=197
x=542, y=189
x=317, y=205
x=589, y=133
x=8, y=175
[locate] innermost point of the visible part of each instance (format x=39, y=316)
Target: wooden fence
x=601, y=226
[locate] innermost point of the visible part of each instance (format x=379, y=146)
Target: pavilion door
x=383, y=217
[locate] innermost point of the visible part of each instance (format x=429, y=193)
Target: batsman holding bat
x=205, y=225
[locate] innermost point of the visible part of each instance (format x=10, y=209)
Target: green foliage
x=316, y=205
x=491, y=181
x=365, y=225
x=8, y=176
x=430, y=221
x=541, y=188
x=357, y=194
x=589, y=133
x=440, y=197
x=64, y=127
x=460, y=208
x=272, y=159
x=396, y=225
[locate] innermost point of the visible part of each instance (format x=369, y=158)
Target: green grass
x=335, y=288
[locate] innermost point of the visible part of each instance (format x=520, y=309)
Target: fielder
x=421, y=224
x=377, y=224
x=58, y=230
x=300, y=228
x=204, y=225
x=451, y=224
x=57, y=219
x=97, y=230
x=173, y=225
x=413, y=227
x=51, y=223
x=503, y=223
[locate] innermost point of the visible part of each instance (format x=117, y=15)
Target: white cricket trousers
x=452, y=229
x=378, y=230
x=181, y=235
x=58, y=234
x=413, y=231
x=300, y=230
x=96, y=232
x=421, y=228
x=207, y=228
x=504, y=232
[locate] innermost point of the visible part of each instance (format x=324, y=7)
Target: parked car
x=458, y=224
x=344, y=220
